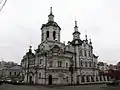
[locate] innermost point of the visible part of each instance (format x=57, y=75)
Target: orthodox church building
x=56, y=63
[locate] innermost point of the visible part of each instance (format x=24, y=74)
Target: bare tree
x=2, y=4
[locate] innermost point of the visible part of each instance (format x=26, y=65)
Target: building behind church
x=56, y=63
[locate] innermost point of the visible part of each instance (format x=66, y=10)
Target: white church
x=56, y=63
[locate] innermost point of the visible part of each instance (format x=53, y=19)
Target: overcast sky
x=21, y=20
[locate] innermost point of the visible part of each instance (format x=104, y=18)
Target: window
x=66, y=65
x=50, y=64
x=14, y=73
x=59, y=64
x=47, y=33
x=90, y=64
x=89, y=54
x=81, y=63
x=67, y=79
x=94, y=64
x=85, y=53
x=85, y=64
x=54, y=35
x=10, y=73
x=39, y=75
x=80, y=52
x=40, y=61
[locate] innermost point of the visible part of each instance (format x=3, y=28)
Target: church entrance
x=30, y=78
x=50, y=79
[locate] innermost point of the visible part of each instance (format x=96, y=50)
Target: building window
x=66, y=65
x=40, y=61
x=47, y=33
x=94, y=64
x=50, y=64
x=54, y=35
x=10, y=73
x=39, y=75
x=89, y=54
x=67, y=79
x=15, y=73
x=80, y=52
x=59, y=64
x=81, y=63
x=85, y=64
x=85, y=52
x=90, y=64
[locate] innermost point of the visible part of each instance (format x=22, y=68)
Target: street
x=38, y=87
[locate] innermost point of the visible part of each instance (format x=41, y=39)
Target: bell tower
x=51, y=30
x=76, y=33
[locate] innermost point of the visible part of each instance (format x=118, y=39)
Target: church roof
x=18, y=67
x=76, y=32
x=51, y=23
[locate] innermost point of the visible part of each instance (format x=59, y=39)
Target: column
x=94, y=77
x=102, y=78
x=34, y=79
x=90, y=79
x=79, y=79
x=85, y=79
x=106, y=78
x=98, y=78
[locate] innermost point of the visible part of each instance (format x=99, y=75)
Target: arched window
x=81, y=63
x=85, y=64
x=39, y=75
x=50, y=64
x=40, y=61
x=80, y=52
x=47, y=34
x=10, y=73
x=54, y=35
x=15, y=73
x=85, y=52
x=87, y=78
x=90, y=64
x=67, y=79
x=66, y=65
x=89, y=54
x=59, y=64
x=83, y=80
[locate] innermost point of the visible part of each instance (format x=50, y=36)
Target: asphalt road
x=38, y=87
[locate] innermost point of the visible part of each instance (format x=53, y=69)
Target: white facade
x=52, y=59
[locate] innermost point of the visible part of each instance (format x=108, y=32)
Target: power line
x=3, y=4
